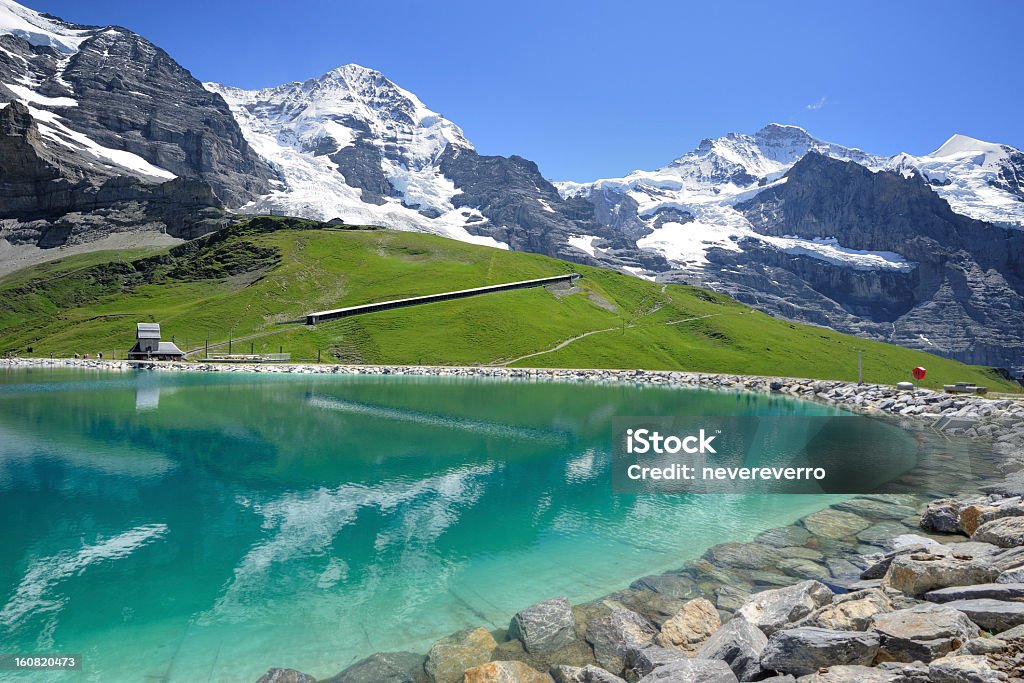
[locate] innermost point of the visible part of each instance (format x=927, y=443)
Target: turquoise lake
x=205, y=527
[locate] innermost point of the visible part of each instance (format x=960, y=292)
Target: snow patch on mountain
x=298, y=127
x=40, y=30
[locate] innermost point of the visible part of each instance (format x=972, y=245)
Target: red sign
x=919, y=373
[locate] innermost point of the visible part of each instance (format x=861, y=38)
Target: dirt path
x=567, y=342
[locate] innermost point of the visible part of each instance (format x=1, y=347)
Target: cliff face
x=963, y=295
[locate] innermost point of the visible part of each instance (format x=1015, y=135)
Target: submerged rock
x=384, y=667
x=545, y=626
x=805, y=650
x=772, y=610
x=835, y=524
x=285, y=676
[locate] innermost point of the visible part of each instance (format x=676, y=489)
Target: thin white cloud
x=814, y=106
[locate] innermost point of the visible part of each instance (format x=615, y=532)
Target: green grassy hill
x=251, y=281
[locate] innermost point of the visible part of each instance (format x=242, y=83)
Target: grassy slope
x=257, y=277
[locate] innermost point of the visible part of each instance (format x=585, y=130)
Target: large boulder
x=776, y=609
x=991, y=615
x=285, y=676
x=544, y=627
x=741, y=555
x=384, y=667
x=923, y=632
x=692, y=671
x=505, y=672
x=450, y=657
x=850, y=611
x=943, y=516
x=805, y=650
x=1006, y=532
x=739, y=644
x=614, y=635
x=835, y=524
x=918, y=573
x=963, y=669
x=690, y=626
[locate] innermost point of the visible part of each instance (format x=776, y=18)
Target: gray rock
x=692, y=671
x=918, y=573
x=614, y=635
x=1015, y=575
x=997, y=591
x=943, y=516
x=962, y=669
x=772, y=610
x=1015, y=633
x=545, y=626
x=991, y=615
x=923, y=632
x=804, y=650
x=384, y=667
x=451, y=656
x=672, y=585
x=739, y=644
x=982, y=646
x=285, y=676
x=1006, y=532
x=802, y=569
x=645, y=660
x=586, y=674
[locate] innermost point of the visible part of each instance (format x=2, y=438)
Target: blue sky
x=595, y=89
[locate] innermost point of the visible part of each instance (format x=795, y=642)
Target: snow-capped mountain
x=353, y=145
x=979, y=179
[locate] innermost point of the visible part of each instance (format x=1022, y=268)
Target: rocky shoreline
x=887, y=587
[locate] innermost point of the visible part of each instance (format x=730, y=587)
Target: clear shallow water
x=206, y=527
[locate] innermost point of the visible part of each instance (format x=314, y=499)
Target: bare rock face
x=694, y=623
x=450, y=657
